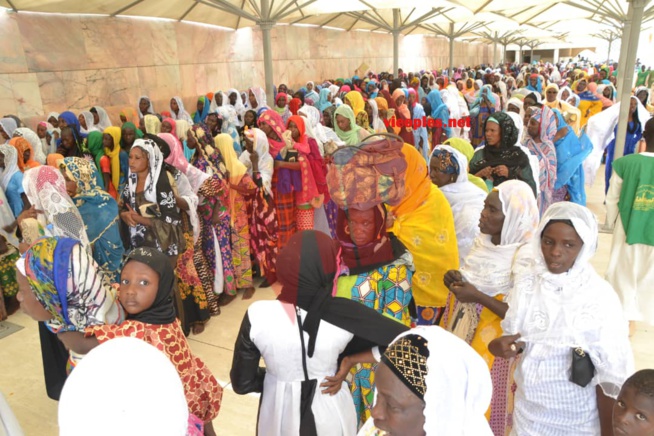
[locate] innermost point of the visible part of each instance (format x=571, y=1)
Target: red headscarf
x=302, y=144
x=173, y=124
x=294, y=105
x=274, y=120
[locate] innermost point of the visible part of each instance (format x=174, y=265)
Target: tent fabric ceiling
x=541, y=20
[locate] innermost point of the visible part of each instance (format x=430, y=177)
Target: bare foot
x=249, y=292
x=208, y=429
x=225, y=299
x=198, y=328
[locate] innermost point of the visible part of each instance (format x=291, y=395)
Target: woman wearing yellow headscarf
x=466, y=149
x=569, y=112
x=355, y=101
x=111, y=143
x=423, y=221
x=241, y=192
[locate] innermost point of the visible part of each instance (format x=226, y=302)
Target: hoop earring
x=347, y=230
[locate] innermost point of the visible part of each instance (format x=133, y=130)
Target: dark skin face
x=2, y=160
x=253, y=99
x=200, y=106
x=212, y=122
x=232, y=98
x=424, y=82
x=138, y=287
x=551, y=94
x=54, y=121
x=281, y=102
x=270, y=133
x=607, y=92
x=642, y=96
x=326, y=119
x=581, y=86
x=249, y=118
x=493, y=134
x=173, y=105
x=343, y=123
x=62, y=123
x=565, y=94
x=96, y=117
x=438, y=177
x=527, y=103
x=633, y=104
x=491, y=220
x=295, y=132
x=560, y=245
x=191, y=142
x=282, y=88
x=513, y=108
x=28, y=302
x=138, y=161
x=368, y=109
x=41, y=131
x=397, y=411
x=129, y=136
x=440, y=82
x=533, y=81
x=71, y=185
x=67, y=140
x=144, y=104
x=108, y=141
x=219, y=99
x=532, y=128
x=166, y=127
x=361, y=226
x=82, y=122
x=633, y=413
x=26, y=155
x=123, y=118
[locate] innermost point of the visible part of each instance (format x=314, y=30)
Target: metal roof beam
x=370, y=20
x=123, y=9
x=428, y=15
x=230, y=8
x=408, y=16
x=11, y=4
x=254, y=5
x=188, y=11
x=330, y=20
x=280, y=15
x=486, y=3
x=238, y=20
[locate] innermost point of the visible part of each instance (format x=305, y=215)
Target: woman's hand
x=129, y=216
x=506, y=347
x=501, y=171
x=465, y=292
x=452, y=276
x=332, y=385
x=485, y=173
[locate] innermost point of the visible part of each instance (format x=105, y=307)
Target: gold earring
x=347, y=230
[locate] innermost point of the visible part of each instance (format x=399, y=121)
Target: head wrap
x=350, y=137
x=456, y=391
x=45, y=188
x=11, y=164
x=8, y=125
x=150, y=109
x=68, y=283
x=266, y=163
x=152, y=124
x=199, y=117
x=275, y=122
x=35, y=142
x=103, y=117
x=21, y=145
x=162, y=310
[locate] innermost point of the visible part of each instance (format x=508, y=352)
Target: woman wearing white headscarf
x=448, y=169
x=144, y=397
x=565, y=319
x=181, y=113
x=45, y=188
x=101, y=118
x=257, y=99
x=375, y=122
x=34, y=141
x=7, y=127
x=11, y=178
x=313, y=126
x=89, y=125
x=144, y=106
x=478, y=290
x=438, y=394
x=238, y=105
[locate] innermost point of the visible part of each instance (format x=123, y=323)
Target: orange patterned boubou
x=203, y=393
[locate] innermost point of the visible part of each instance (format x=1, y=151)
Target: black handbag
x=308, y=390
x=582, y=370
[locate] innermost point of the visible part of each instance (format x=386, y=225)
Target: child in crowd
x=633, y=412
x=146, y=293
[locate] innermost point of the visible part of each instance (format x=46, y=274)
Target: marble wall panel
x=52, y=43
x=12, y=56
x=159, y=83
x=25, y=87
x=113, y=87
x=155, y=42
x=105, y=41
x=8, y=104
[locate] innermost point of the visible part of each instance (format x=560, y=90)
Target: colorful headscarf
x=130, y=115
x=68, y=283
x=11, y=163
x=294, y=105
x=274, y=120
x=200, y=117
x=152, y=124
x=21, y=145
x=356, y=102
x=350, y=137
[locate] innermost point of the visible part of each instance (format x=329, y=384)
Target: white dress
x=274, y=331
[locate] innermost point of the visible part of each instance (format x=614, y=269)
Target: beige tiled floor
x=21, y=373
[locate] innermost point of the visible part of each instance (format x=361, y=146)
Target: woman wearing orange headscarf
x=129, y=115
x=402, y=114
x=25, y=153
x=424, y=223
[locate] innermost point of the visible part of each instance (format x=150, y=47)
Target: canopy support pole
x=495, y=50
x=396, y=41
x=266, y=24
x=451, y=37
x=630, y=35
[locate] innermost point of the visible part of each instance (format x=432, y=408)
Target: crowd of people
x=432, y=277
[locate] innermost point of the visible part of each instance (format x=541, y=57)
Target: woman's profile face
x=491, y=220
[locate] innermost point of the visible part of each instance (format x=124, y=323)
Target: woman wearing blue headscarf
x=202, y=110
x=440, y=112
x=371, y=89
x=420, y=137
x=69, y=119
x=535, y=83
x=323, y=100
